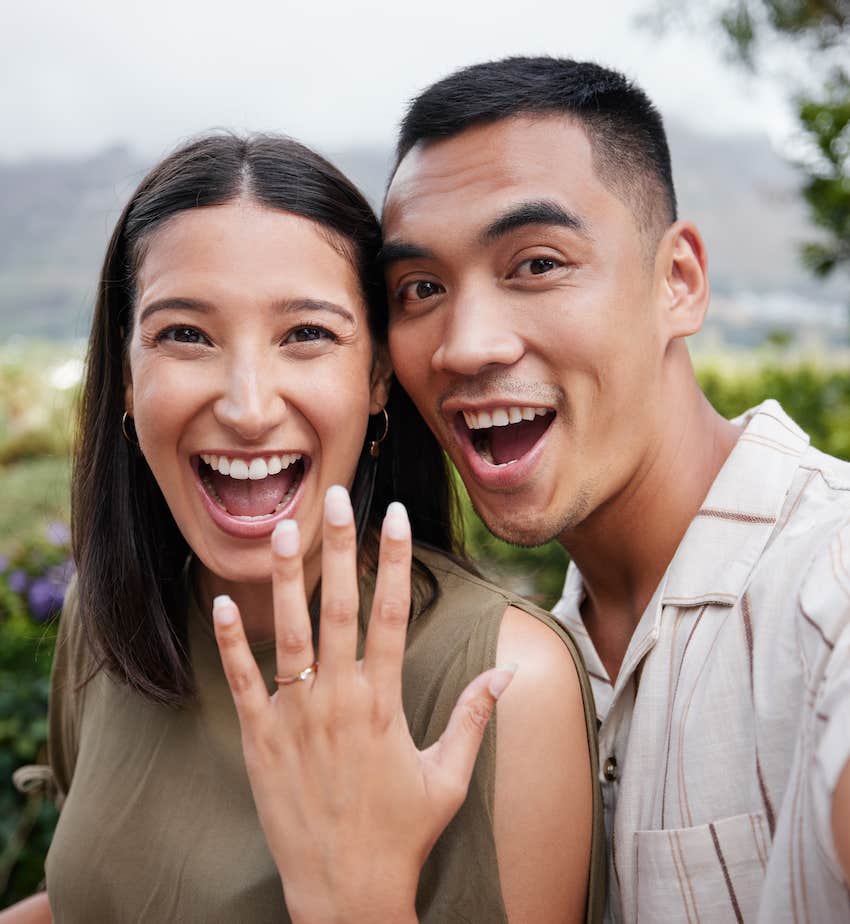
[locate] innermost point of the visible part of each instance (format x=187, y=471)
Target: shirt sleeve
x=825, y=635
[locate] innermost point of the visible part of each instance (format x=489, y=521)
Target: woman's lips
x=240, y=506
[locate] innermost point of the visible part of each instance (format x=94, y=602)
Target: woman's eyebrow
x=175, y=304
x=314, y=304
x=286, y=306
x=533, y=212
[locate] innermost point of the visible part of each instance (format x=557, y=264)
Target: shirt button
x=610, y=770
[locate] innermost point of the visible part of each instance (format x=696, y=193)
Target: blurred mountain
x=56, y=216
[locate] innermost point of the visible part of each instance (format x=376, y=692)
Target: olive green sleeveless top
x=158, y=822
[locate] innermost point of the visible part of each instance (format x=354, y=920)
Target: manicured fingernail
x=499, y=682
x=396, y=523
x=224, y=612
x=285, y=538
x=337, y=506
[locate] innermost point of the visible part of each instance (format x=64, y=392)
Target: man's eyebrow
x=393, y=251
x=535, y=212
x=284, y=306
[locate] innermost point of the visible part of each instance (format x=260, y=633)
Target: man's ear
x=681, y=271
x=380, y=379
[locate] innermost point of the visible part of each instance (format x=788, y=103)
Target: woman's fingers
x=293, y=632
x=391, y=605
x=240, y=668
x=453, y=755
x=338, y=626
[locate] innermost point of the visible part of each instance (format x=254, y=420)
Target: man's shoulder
x=832, y=471
x=807, y=560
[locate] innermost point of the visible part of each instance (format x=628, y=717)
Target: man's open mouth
x=503, y=435
x=251, y=489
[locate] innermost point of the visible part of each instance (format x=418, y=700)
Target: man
x=541, y=289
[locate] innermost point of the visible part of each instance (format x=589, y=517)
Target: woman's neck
x=254, y=601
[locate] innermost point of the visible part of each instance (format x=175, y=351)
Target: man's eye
x=419, y=291
x=182, y=335
x=308, y=334
x=537, y=266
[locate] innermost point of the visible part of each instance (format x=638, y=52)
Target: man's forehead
x=488, y=168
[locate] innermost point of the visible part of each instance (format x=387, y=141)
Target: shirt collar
x=726, y=538
x=729, y=533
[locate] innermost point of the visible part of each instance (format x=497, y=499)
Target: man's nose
x=478, y=333
x=250, y=403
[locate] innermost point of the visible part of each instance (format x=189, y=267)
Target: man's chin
x=528, y=528
x=523, y=531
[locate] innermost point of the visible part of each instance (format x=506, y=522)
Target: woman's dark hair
x=130, y=554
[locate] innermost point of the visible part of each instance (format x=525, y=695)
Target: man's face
x=525, y=321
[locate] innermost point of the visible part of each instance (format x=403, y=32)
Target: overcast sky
x=75, y=77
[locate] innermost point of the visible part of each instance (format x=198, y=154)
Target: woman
x=237, y=382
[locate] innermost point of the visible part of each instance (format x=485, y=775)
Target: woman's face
x=250, y=378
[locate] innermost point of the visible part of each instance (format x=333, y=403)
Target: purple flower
x=61, y=574
x=18, y=581
x=58, y=533
x=45, y=598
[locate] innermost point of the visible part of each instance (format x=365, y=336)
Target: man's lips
x=502, y=442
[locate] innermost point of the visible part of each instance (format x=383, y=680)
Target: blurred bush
x=32, y=588
x=38, y=387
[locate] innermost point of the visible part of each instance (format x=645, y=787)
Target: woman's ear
x=681, y=271
x=380, y=379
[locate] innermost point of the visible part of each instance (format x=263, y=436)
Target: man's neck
x=625, y=546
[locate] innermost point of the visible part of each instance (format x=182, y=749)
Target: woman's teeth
x=255, y=470
x=502, y=416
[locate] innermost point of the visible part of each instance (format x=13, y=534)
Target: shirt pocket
x=712, y=872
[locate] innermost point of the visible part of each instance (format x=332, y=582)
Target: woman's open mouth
x=247, y=496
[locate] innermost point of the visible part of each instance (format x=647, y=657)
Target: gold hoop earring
x=375, y=445
x=127, y=436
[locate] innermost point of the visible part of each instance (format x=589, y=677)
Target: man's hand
x=349, y=806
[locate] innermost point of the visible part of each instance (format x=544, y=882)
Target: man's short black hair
x=625, y=130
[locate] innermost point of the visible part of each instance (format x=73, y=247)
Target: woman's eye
x=420, y=290
x=307, y=334
x=182, y=335
x=537, y=266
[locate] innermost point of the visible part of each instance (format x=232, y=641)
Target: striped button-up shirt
x=727, y=728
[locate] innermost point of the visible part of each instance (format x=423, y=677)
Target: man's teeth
x=502, y=416
x=256, y=469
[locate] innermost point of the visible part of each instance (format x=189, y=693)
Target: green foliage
x=38, y=386
x=826, y=122
x=35, y=493
x=32, y=585
x=817, y=32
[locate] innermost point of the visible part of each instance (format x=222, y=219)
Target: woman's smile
x=247, y=496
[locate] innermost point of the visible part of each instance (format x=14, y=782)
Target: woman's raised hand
x=349, y=806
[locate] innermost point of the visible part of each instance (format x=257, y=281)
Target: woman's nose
x=250, y=403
